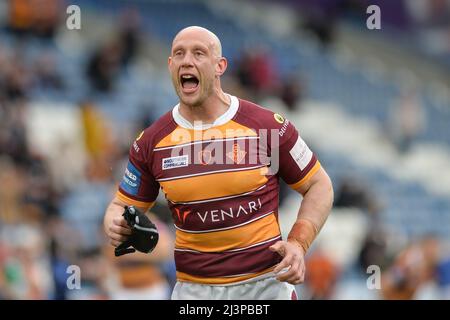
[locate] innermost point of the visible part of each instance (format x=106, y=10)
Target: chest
x=202, y=170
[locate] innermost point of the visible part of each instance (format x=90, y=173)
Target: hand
x=293, y=257
x=118, y=231
x=144, y=234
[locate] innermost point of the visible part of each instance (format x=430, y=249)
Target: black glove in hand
x=144, y=235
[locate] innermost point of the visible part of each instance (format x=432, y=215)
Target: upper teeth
x=187, y=76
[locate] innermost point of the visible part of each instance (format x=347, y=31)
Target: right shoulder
x=159, y=129
x=142, y=147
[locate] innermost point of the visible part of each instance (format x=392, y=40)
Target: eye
x=178, y=53
x=199, y=53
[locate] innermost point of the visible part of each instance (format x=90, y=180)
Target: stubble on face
x=206, y=74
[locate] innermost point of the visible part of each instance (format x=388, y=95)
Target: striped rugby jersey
x=221, y=185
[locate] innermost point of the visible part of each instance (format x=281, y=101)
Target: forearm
x=115, y=209
x=316, y=205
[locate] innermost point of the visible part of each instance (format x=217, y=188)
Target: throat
x=207, y=113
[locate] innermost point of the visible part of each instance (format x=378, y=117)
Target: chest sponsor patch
x=131, y=179
x=301, y=153
x=175, y=162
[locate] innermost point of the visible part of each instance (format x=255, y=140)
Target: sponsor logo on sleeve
x=140, y=135
x=175, y=162
x=131, y=179
x=136, y=147
x=301, y=153
x=283, y=129
x=278, y=118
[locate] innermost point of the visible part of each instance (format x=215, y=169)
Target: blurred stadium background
x=373, y=104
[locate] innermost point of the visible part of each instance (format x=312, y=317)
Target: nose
x=187, y=60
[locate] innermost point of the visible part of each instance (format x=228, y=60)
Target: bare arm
x=317, y=201
x=316, y=205
x=114, y=224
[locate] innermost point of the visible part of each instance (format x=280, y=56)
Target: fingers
x=275, y=246
x=295, y=275
x=278, y=247
x=120, y=221
x=285, y=263
x=120, y=230
x=117, y=237
x=292, y=260
x=115, y=243
x=293, y=272
x=301, y=278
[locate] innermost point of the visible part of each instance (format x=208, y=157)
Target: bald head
x=195, y=32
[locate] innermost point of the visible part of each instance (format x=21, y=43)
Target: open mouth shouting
x=189, y=83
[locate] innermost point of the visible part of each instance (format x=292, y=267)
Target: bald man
x=218, y=159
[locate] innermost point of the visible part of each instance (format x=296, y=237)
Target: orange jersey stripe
x=229, y=130
x=311, y=172
x=240, y=237
x=131, y=202
x=181, y=276
x=214, y=185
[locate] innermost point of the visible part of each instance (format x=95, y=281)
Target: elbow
x=330, y=191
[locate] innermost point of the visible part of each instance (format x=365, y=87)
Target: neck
x=211, y=109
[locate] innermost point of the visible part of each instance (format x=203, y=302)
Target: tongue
x=190, y=84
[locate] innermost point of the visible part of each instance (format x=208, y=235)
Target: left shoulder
x=258, y=117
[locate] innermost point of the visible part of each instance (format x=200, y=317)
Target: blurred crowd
x=52, y=206
x=48, y=222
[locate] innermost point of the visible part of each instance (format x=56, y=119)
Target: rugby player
x=218, y=160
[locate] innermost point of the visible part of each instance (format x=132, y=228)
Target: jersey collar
x=224, y=118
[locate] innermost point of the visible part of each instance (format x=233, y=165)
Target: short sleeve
x=297, y=163
x=138, y=186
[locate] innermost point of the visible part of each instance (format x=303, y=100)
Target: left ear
x=221, y=66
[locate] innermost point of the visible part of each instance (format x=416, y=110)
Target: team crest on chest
x=236, y=154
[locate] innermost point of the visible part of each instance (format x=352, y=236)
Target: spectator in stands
x=129, y=35
x=17, y=79
x=408, y=119
x=353, y=193
x=443, y=277
x=104, y=66
x=20, y=17
x=321, y=277
x=320, y=18
x=93, y=266
x=47, y=16
x=373, y=250
x=430, y=15
x=256, y=71
x=413, y=268
x=34, y=17
x=26, y=266
x=4, y=288
x=46, y=74
x=292, y=92
x=10, y=197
